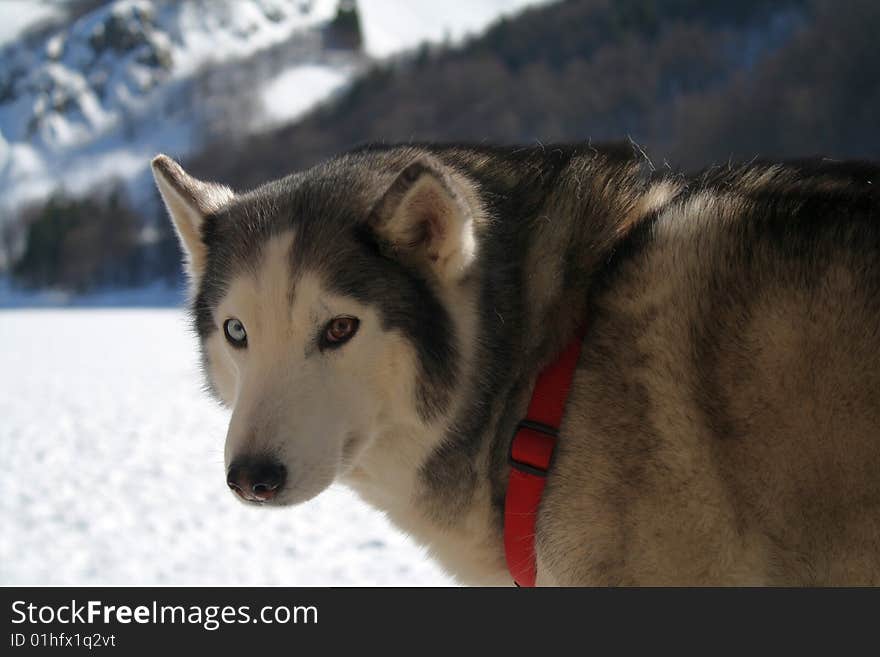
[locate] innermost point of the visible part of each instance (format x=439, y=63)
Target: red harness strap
x=531, y=453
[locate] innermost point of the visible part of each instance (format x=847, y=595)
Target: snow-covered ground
x=112, y=471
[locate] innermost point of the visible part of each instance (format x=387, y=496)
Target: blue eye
x=235, y=332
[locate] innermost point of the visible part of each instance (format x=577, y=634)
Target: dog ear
x=188, y=201
x=424, y=219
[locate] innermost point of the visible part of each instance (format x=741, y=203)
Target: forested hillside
x=695, y=82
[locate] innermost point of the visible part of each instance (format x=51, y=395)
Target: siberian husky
x=380, y=320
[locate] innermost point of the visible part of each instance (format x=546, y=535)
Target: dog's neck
x=558, y=221
x=552, y=225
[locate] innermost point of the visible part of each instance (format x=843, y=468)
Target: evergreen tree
x=344, y=31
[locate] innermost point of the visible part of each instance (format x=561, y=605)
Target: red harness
x=531, y=454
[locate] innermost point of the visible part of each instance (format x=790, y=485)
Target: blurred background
x=115, y=457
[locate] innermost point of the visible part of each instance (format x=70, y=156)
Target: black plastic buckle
x=538, y=427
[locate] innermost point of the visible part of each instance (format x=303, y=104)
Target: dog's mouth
x=279, y=498
x=249, y=497
x=269, y=504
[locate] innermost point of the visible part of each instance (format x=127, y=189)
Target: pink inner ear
x=433, y=226
x=429, y=229
x=432, y=207
x=422, y=232
x=434, y=230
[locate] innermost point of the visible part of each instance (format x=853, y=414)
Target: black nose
x=256, y=479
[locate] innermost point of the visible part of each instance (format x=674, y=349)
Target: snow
x=390, y=27
x=18, y=15
x=113, y=471
x=293, y=93
x=77, y=97
x=219, y=31
x=121, y=83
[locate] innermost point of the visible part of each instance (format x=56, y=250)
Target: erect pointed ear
x=188, y=201
x=427, y=220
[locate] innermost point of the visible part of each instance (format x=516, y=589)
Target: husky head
x=323, y=305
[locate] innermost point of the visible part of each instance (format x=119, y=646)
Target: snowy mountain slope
x=390, y=27
x=21, y=15
x=94, y=100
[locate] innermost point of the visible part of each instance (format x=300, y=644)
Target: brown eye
x=339, y=331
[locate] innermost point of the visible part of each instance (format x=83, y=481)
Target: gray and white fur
x=724, y=421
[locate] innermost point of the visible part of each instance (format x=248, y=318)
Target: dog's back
x=725, y=423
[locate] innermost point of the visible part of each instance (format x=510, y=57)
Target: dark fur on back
x=728, y=403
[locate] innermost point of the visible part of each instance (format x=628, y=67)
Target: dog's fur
x=724, y=422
